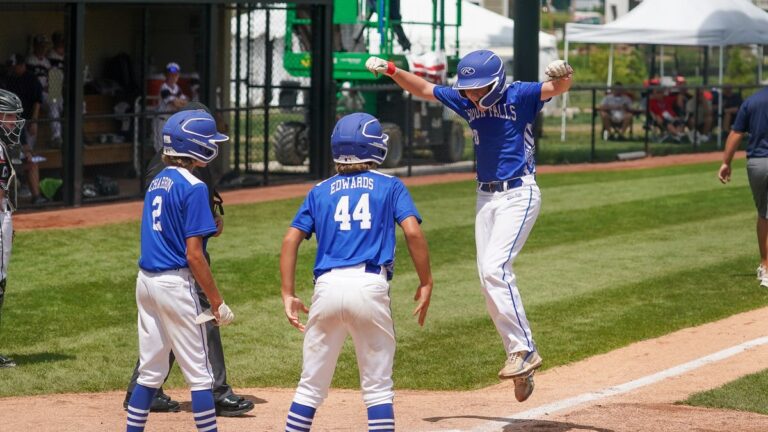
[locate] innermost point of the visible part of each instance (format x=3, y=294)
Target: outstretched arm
x=417, y=246
x=288, y=253
x=562, y=79
x=409, y=82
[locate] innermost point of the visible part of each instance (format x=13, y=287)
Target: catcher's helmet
x=358, y=137
x=192, y=134
x=480, y=69
x=11, y=122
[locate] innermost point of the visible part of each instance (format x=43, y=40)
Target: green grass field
x=615, y=257
x=745, y=394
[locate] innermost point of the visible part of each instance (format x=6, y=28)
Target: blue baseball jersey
x=753, y=119
x=175, y=208
x=354, y=217
x=502, y=134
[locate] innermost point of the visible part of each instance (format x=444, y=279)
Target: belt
x=499, y=186
x=369, y=268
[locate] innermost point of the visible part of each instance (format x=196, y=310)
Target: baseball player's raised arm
x=200, y=269
x=561, y=74
x=417, y=247
x=409, y=82
x=288, y=254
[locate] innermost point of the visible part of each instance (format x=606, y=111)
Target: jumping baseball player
x=11, y=125
x=501, y=118
x=175, y=222
x=353, y=215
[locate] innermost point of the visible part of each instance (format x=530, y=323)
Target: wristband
x=391, y=68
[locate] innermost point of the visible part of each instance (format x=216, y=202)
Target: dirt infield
x=630, y=389
x=103, y=214
x=648, y=408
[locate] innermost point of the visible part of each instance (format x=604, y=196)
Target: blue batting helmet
x=192, y=134
x=480, y=69
x=358, y=137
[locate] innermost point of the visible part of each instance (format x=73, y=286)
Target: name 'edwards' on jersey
x=354, y=217
x=502, y=134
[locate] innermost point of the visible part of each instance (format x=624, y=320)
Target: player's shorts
x=757, y=173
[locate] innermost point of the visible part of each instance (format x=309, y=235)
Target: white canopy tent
x=480, y=29
x=678, y=22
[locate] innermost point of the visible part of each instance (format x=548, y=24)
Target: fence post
x=594, y=114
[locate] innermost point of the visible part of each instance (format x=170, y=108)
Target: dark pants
x=215, y=355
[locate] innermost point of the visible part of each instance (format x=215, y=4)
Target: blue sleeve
x=404, y=207
x=198, y=220
x=741, y=124
x=450, y=98
x=304, y=219
x=529, y=97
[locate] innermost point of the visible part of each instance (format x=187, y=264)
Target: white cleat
x=524, y=387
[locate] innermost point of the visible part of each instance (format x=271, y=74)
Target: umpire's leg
x=215, y=353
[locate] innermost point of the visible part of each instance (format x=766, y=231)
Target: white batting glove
x=558, y=69
x=379, y=65
x=226, y=316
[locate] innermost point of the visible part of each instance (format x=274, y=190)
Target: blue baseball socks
x=299, y=418
x=204, y=410
x=138, y=408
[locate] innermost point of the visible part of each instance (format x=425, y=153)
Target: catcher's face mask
x=11, y=125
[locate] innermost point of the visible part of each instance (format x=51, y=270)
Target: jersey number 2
x=361, y=213
x=157, y=205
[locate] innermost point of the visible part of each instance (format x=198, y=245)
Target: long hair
x=355, y=167
x=179, y=161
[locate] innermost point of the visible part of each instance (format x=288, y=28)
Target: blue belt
x=499, y=186
x=369, y=268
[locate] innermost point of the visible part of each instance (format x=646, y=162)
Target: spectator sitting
x=28, y=89
x=616, y=112
x=699, y=118
x=662, y=109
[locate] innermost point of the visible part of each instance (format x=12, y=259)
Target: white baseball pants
x=349, y=301
x=503, y=222
x=6, y=239
x=168, y=306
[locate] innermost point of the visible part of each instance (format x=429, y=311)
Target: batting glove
x=226, y=316
x=378, y=65
x=558, y=69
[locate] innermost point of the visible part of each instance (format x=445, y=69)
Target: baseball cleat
x=6, y=362
x=761, y=273
x=520, y=363
x=233, y=406
x=764, y=282
x=160, y=403
x=523, y=387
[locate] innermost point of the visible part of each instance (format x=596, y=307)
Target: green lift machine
x=359, y=24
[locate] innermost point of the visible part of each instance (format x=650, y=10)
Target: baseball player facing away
x=501, y=118
x=353, y=215
x=175, y=222
x=11, y=125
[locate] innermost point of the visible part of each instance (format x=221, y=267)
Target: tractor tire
x=394, y=145
x=291, y=143
x=452, y=149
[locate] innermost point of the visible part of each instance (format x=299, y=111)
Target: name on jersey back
x=502, y=111
x=160, y=183
x=351, y=183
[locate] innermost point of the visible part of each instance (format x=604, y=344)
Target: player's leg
x=161, y=402
x=153, y=353
x=757, y=174
x=228, y=404
x=323, y=338
x=368, y=319
x=514, y=213
x=6, y=242
x=483, y=225
x=180, y=305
